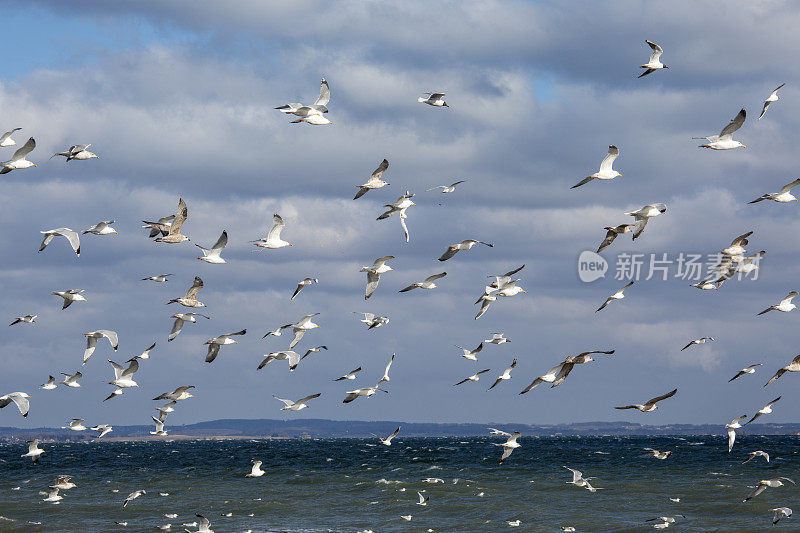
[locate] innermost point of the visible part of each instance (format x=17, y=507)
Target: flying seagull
x=732, y=426
x=93, y=336
x=757, y=453
x=509, y=446
x=364, y=391
x=72, y=295
x=386, y=371
x=18, y=160
x=161, y=278
x=453, y=249
x=695, y=342
x=371, y=320
x=174, y=234
x=606, y=171
x=505, y=375
x=181, y=393
x=27, y=319
x=256, y=470
x=399, y=207
x=657, y=454
x=548, y=377
x=764, y=483
x=579, y=481
x=132, y=496
x=747, y=370
x=273, y=239
x=375, y=180
x=611, y=233
x=650, y=405
x=782, y=196
x=473, y=377
x=212, y=255
x=215, y=343
x=794, y=366
x=285, y=355
x=161, y=226
x=102, y=429
x=77, y=151
x=299, y=329
x=350, y=375
x=6, y=140
x=190, y=300
x=303, y=283
x=784, y=306
x=616, y=296
x=434, y=99
x=642, y=215
x=654, y=63
x=773, y=97
x=428, y=283
x=289, y=405
x=313, y=350
x=470, y=354
x=767, y=409
x=180, y=318
x=724, y=141
x=317, y=108
x=123, y=377
x=71, y=235
x=446, y=189
x=71, y=380
x=75, y=424
x=374, y=274
x=50, y=384
x=20, y=399
x=388, y=440
x=780, y=512
x=101, y=228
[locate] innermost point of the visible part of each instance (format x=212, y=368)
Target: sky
x=177, y=99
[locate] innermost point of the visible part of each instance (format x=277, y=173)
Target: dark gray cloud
x=538, y=91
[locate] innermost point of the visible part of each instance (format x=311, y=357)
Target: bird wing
x=180, y=218
x=191, y=294
x=657, y=51
x=507, y=451
x=608, y=160
x=759, y=489
x=779, y=373
x=118, y=370
x=131, y=370
x=372, y=283
x=20, y=400
x=734, y=125
x=298, y=334
x=73, y=238
x=307, y=398
x=657, y=399
x=324, y=93
x=111, y=336
x=277, y=227
x=379, y=262
x=7, y=134
x=24, y=150
x=213, y=352
x=789, y=186
x=434, y=277
x=450, y=252
x=176, y=329
x=378, y=172
x=495, y=383
x=788, y=298
x=403, y=224
x=221, y=243
x=436, y=96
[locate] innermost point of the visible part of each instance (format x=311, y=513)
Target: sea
x=356, y=485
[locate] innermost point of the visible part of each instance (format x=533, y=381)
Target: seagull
x=160, y=431
x=50, y=384
x=485, y=300
x=77, y=151
x=650, y=405
x=303, y=283
x=780, y=512
x=579, y=481
x=215, y=343
x=773, y=97
x=654, y=63
x=794, y=366
x=63, y=483
x=27, y=319
x=643, y=215
x=434, y=99
x=34, y=452
x=180, y=318
x=757, y=453
x=701, y=340
x=665, y=521
x=92, y=338
x=399, y=207
x=190, y=300
x=212, y=255
x=453, y=249
x=102, y=429
x=6, y=140
x=732, y=427
x=505, y=375
x=145, y=354
x=299, y=329
x=510, y=445
x=569, y=363
x=132, y=496
x=365, y=391
x=549, y=377
x=473, y=377
x=764, y=483
x=18, y=160
x=375, y=180
x=784, y=306
x=747, y=370
x=372, y=321
x=313, y=350
x=297, y=405
x=782, y=196
x=174, y=234
x=446, y=189
x=317, y=108
x=406, y=517
x=161, y=226
x=724, y=141
x=167, y=407
x=470, y=354
x=497, y=338
x=706, y=285
x=423, y=500
x=204, y=526
x=374, y=273
x=657, y=454
x=611, y=233
x=350, y=375
x=388, y=440
x=386, y=371
x=161, y=278
x=428, y=283
x=71, y=380
x=72, y=236
x=181, y=393
x=316, y=120
x=52, y=496
x=256, y=470
x=288, y=355
x=273, y=239
x=123, y=377
x=616, y=296
x=767, y=409
x=606, y=171
x=76, y=424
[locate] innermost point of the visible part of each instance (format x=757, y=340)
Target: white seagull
x=76, y=424
x=77, y=151
x=71, y=380
x=212, y=255
x=132, y=496
x=18, y=160
x=764, y=483
x=180, y=318
x=427, y=283
x=285, y=355
x=446, y=189
x=783, y=196
x=371, y=320
x=579, y=481
x=385, y=376
x=273, y=239
x=434, y=99
x=102, y=429
x=299, y=329
x=303, y=283
x=467, y=244
x=767, y=409
x=50, y=384
x=616, y=296
x=470, y=354
x=365, y=392
x=473, y=377
x=773, y=97
x=190, y=300
x=724, y=141
x=654, y=63
x=374, y=274
x=784, y=306
x=290, y=405
x=695, y=342
x=34, y=452
x=161, y=278
x=123, y=377
x=642, y=215
x=375, y=180
x=399, y=207
x=93, y=336
x=388, y=440
x=497, y=338
x=317, y=108
x=72, y=236
x=27, y=319
x=181, y=393
x=747, y=370
x=780, y=512
x=215, y=343
x=650, y=405
x=732, y=427
x=506, y=375
x=6, y=140
x=606, y=171
x=509, y=446
x=101, y=228
x=350, y=375
x=757, y=453
x=256, y=470
x=794, y=366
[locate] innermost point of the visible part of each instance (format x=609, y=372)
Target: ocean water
x=353, y=485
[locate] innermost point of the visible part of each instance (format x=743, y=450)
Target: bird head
x=445, y=104
x=665, y=66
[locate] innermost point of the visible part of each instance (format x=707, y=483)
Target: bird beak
x=524, y=291
x=412, y=203
x=390, y=268
x=743, y=146
x=235, y=342
x=34, y=164
x=290, y=244
x=115, y=231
